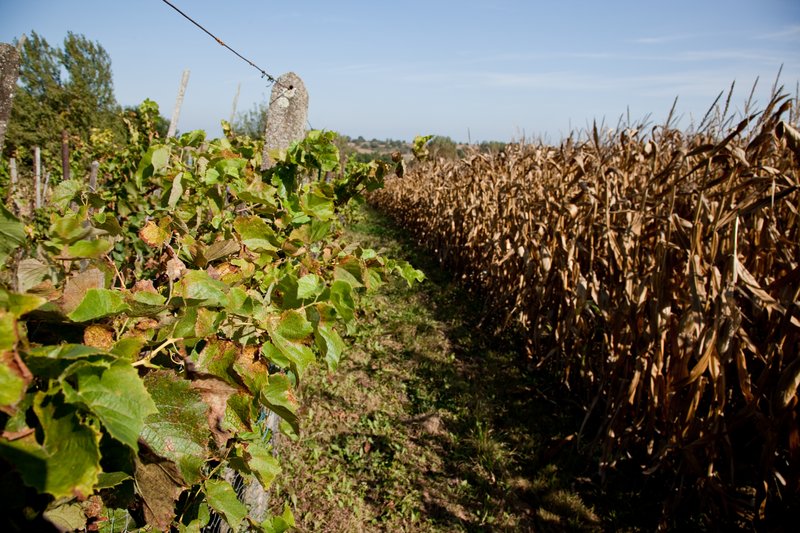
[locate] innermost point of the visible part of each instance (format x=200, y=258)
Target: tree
x=253, y=122
x=62, y=89
x=444, y=147
x=89, y=88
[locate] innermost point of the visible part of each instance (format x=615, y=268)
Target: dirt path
x=429, y=425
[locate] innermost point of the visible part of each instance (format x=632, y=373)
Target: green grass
x=431, y=425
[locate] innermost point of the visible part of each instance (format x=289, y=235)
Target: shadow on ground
x=433, y=425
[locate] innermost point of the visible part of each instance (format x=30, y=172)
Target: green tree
x=252, y=123
x=67, y=88
x=444, y=147
x=89, y=88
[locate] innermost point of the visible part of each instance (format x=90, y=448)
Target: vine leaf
x=153, y=234
x=77, y=286
x=67, y=463
x=278, y=396
x=12, y=233
x=89, y=248
x=159, y=483
x=215, y=394
x=30, y=273
x=67, y=516
x=116, y=395
x=179, y=431
x=222, y=498
x=349, y=271
x=342, y=299
x=330, y=344
x=255, y=234
x=262, y=463
x=198, y=287
x=309, y=286
x=289, y=334
x=99, y=303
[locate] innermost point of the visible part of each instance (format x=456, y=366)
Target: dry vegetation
x=658, y=272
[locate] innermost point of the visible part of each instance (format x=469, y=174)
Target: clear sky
x=490, y=70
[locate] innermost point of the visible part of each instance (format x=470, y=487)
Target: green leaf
x=419, y=147
x=278, y=396
x=185, y=326
x=222, y=498
x=12, y=233
x=211, y=177
x=217, y=358
x=309, y=286
x=316, y=204
x=317, y=231
x=116, y=521
x=98, y=303
x=289, y=334
x=117, y=396
x=221, y=249
x=409, y=273
x=64, y=192
x=106, y=480
x=67, y=463
x=330, y=344
x=67, y=516
x=176, y=191
x=199, y=288
x=128, y=348
x=372, y=278
x=107, y=222
x=12, y=385
x=230, y=167
x=275, y=356
x=179, y=431
x=8, y=331
x=279, y=524
x=208, y=322
x=160, y=158
x=70, y=228
x=20, y=304
x=349, y=270
x=342, y=299
x=257, y=192
x=68, y=352
x=192, y=138
x=294, y=326
x=240, y=303
x=256, y=234
x=91, y=249
x=148, y=298
x=263, y=463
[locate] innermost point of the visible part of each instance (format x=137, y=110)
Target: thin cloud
x=789, y=33
x=662, y=39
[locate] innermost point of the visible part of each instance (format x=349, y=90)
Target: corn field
x=658, y=273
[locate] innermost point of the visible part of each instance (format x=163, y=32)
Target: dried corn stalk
x=659, y=273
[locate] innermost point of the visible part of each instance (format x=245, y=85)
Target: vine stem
x=145, y=361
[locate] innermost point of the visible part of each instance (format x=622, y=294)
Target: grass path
x=429, y=425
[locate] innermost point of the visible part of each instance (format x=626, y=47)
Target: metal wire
x=264, y=73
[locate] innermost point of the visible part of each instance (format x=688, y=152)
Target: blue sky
x=487, y=70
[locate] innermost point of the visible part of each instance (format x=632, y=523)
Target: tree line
x=65, y=94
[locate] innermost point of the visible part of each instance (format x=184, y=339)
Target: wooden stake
x=65, y=154
x=235, y=103
x=93, y=176
x=173, y=124
x=37, y=177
